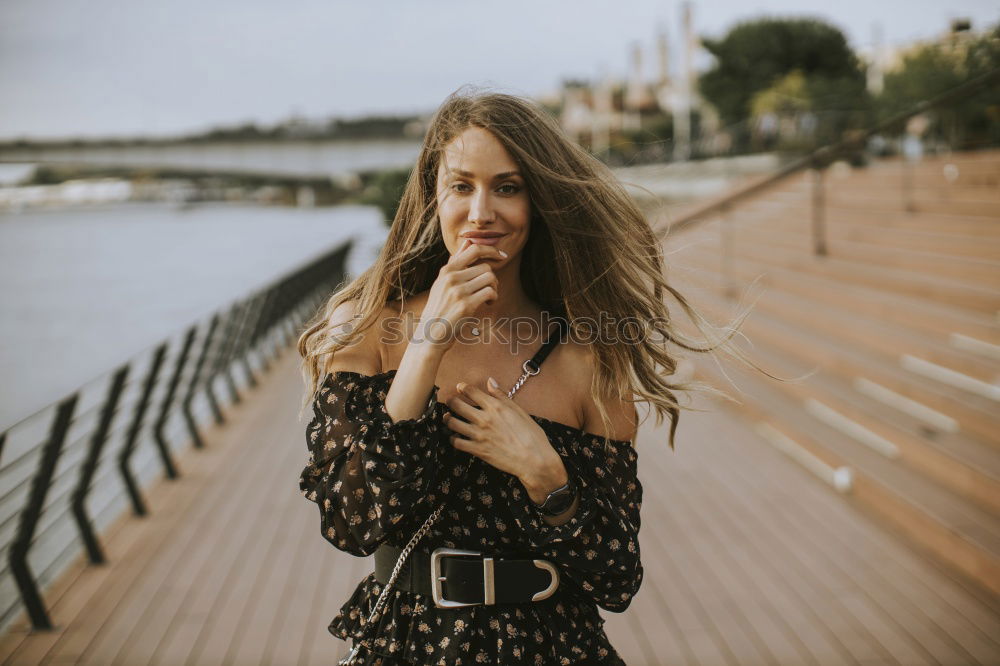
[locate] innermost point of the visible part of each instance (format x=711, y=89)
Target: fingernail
x=493, y=383
x=502, y=253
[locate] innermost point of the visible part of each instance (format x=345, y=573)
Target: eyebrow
x=499, y=176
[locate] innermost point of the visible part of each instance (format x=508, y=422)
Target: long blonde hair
x=591, y=250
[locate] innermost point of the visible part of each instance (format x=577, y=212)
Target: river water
x=83, y=290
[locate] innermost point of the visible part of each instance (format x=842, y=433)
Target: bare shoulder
x=580, y=366
x=364, y=354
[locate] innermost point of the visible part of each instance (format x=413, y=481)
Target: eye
x=514, y=189
x=456, y=186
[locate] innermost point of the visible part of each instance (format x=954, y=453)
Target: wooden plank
x=288, y=634
x=341, y=577
x=196, y=611
x=797, y=565
x=241, y=565
x=913, y=586
x=861, y=587
x=747, y=576
x=227, y=500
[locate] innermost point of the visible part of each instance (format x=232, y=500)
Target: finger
x=477, y=395
x=484, y=295
x=473, y=252
x=463, y=444
x=461, y=427
x=494, y=389
x=457, y=257
x=473, y=271
x=487, y=279
x=467, y=411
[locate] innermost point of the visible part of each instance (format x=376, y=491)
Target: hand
x=498, y=431
x=458, y=292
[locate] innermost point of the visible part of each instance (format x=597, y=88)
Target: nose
x=480, y=208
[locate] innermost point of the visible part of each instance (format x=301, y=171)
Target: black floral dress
x=376, y=481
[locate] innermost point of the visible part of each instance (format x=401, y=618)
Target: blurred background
x=182, y=185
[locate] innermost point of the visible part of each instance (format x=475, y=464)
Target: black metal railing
x=50, y=473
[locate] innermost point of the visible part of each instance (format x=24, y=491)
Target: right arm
x=374, y=437
x=367, y=470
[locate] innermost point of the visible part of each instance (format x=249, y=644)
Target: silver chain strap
x=431, y=519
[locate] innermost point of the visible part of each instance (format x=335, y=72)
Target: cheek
x=449, y=209
x=522, y=214
x=450, y=220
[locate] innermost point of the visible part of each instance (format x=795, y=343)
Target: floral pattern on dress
x=376, y=481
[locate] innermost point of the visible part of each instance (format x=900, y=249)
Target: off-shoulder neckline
x=534, y=416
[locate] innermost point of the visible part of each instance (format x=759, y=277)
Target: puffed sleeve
x=597, y=550
x=366, y=472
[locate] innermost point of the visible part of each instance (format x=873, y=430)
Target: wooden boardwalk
x=748, y=561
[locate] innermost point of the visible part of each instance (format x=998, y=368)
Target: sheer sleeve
x=597, y=550
x=366, y=472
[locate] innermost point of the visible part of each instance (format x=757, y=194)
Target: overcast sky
x=111, y=67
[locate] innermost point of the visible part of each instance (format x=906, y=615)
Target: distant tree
x=384, y=189
x=789, y=94
x=934, y=68
x=372, y=127
x=755, y=55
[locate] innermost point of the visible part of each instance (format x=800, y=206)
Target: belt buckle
x=488, y=592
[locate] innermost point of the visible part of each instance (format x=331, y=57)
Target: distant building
x=593, y=112
x=881, y=59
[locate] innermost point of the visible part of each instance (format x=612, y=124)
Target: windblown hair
x=590, y=251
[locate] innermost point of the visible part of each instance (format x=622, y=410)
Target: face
x=480, y=189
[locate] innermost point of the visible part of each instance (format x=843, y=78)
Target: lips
x=483, y=238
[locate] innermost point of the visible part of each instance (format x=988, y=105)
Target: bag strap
x=531, y=367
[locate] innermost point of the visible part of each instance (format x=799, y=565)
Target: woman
x=504, y=226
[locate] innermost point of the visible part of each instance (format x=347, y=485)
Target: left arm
x=596, y=541
x=543, y=479
x=597, y=548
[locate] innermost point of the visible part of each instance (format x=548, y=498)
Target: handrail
x=262, y=323
x=824, y=155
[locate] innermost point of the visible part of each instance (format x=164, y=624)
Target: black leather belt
x=454, y=577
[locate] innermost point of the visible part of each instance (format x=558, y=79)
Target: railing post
x=40, y=484
x=192, y=423
x=89, y=467
x=260, y=338
x=249, y=334
x=209, y=382
x=727, y=240
x=168, y=399
x=218, y=361
x=818, y=209
x=231, y=340
x=909, y=202
x=138, y=506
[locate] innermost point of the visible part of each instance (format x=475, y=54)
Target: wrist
x=422, y=354
x=544, y=479
x=431, y=335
